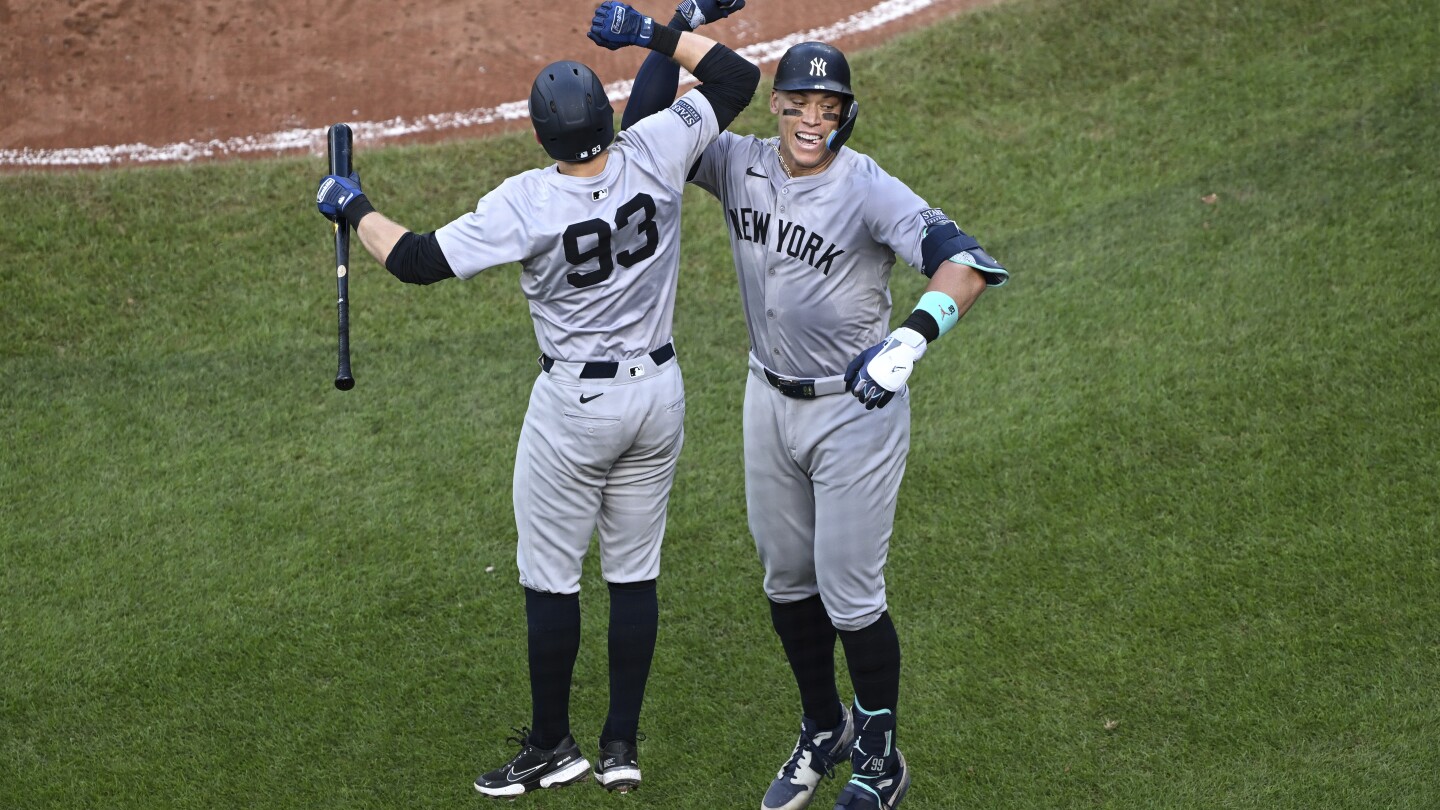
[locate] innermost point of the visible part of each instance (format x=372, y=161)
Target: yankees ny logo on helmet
x=817, y=67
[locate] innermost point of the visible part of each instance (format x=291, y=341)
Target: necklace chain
x=783, y=165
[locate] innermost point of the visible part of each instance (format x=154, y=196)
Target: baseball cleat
x=534, y=768
x=617, y=768
x=816, y=753
x=882, y=792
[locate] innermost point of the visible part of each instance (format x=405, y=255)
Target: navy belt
x=791, y=387
x=608, y=370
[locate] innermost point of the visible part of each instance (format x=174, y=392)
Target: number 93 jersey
x=600, y=256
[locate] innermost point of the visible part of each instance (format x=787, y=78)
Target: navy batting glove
x=337, y=193
x=699, y=12
x=862, y=385
x=617, y=25
x=882, y=369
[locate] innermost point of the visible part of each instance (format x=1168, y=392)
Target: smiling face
x=807, y=117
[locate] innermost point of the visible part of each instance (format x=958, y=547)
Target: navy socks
x=634, y=618
x=554, y=641
x=809, y=640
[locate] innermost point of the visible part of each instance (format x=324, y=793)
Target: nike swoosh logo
x=584, y=399
x=516, y=776
x=751, y=171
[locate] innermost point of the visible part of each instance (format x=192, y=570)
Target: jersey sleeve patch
x=933, y=217
x=686, y=111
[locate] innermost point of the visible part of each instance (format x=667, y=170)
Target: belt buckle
x=795, y=388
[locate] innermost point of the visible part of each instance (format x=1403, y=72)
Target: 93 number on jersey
x=601, y=230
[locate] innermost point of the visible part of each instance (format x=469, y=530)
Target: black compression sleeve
x=656, y=82
x=418, y=259
x=729, y=82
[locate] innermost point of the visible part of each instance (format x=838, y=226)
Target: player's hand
x=336, y=193
x=699, y=12
x=878, y=372
x=617, y=25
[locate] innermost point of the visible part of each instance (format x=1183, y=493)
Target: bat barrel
x=342, y=142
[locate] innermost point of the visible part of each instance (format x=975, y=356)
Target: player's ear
x=774, y=103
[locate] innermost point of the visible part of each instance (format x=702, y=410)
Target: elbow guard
x=417, y=259
x=944, y=241
x=728, y=82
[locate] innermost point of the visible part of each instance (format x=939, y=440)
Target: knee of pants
x=851, y=607
x=789, y=583
x=554, y=575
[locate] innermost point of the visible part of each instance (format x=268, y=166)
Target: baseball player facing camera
x=815, y=228
x=597, y=236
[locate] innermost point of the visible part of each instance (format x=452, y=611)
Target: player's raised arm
x=659, y=76
x=728, y=80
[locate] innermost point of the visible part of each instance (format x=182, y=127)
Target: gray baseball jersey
x=599, y=260
x=599, y=255
x=813, y=255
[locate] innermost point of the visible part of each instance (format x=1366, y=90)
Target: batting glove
x=699, y=12
x=617, y=25
x=879, y=371
x=337, y=193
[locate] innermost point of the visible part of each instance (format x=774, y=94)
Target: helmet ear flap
x=847, y=125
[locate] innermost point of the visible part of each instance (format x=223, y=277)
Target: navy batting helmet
x=572, y=116
x=817, y=66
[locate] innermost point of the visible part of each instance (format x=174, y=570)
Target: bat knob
x=344, y=383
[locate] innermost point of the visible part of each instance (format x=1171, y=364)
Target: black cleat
x=617, y=768
x=534, y=768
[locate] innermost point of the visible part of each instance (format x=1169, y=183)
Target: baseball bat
x=340, y=152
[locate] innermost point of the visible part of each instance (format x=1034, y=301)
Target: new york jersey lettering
x=750, y=225
x=797, y=243
x=791, y=239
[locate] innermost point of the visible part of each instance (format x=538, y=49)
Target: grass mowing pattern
x=1167, y=539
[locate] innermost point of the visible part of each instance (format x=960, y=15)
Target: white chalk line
x=313, y=139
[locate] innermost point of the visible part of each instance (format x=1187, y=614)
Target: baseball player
x=597, y=236
x=815, y=228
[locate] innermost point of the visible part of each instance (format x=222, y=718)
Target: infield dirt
x=94, y=73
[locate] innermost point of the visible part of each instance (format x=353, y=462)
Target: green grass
x=1167, y=538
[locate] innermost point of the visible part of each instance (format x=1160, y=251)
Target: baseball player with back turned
x=597, y=236
x=815, y=228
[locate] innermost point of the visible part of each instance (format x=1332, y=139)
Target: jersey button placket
x=772, y=283
x=772, y=317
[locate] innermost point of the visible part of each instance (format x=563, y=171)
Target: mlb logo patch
x=686, y=111
x=637, y=371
